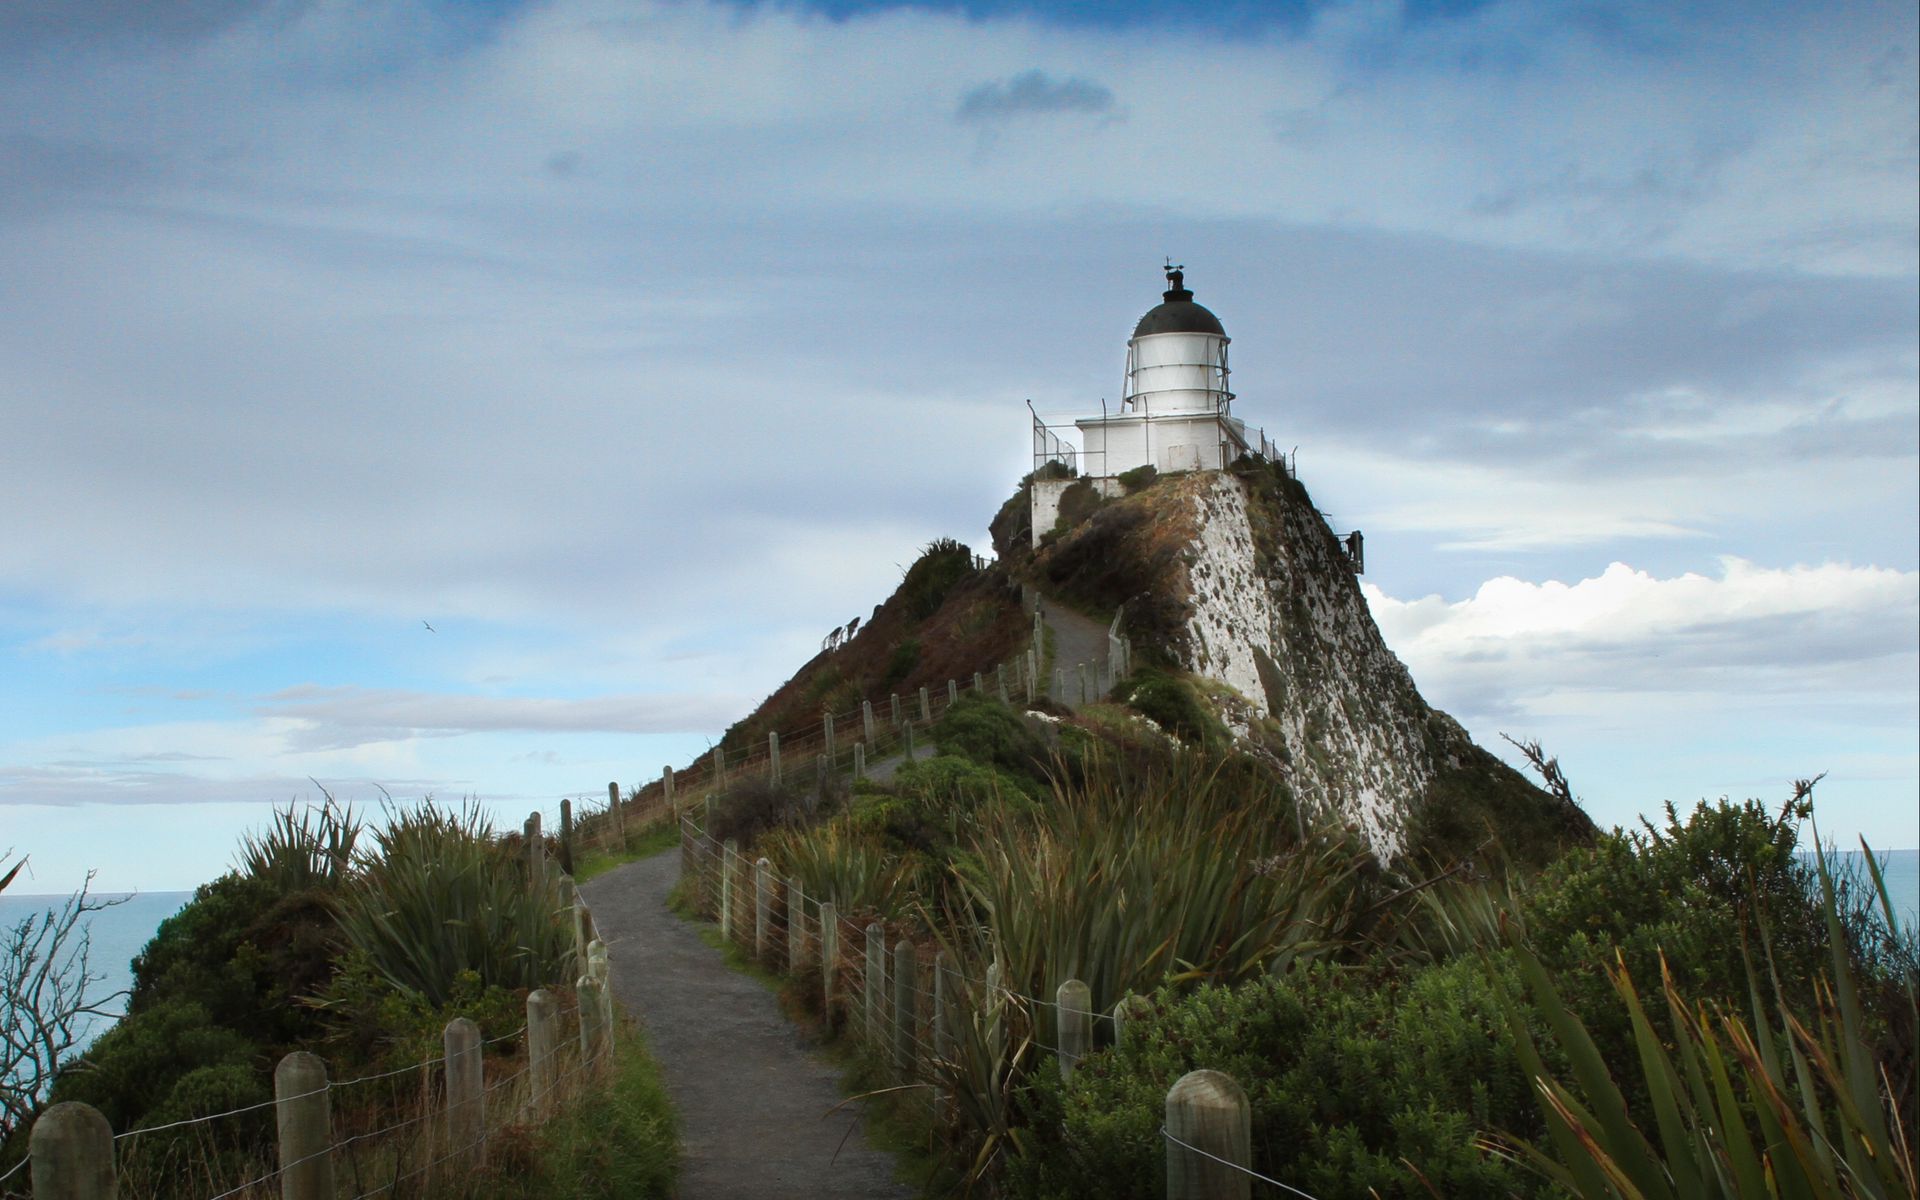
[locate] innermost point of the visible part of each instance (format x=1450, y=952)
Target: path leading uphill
x=1076, y=640
x=753, y=1099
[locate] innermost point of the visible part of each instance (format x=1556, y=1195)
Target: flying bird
x=430, y=629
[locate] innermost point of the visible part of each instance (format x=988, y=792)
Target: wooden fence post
x=1127, y=1011
x=686, y=854
x=613, y=812
x=942, y=1009
x=1208, y=1110
x=593, y=1021
x=905, y=1006
x=1083, y=683
x=894, y=702
x=978, y=686
x=826, y=730
x=570, y=901
x=773, y=757
x=71, y=1148
x=762, y=909
x=719, y=767
x=926, y=710
x=667, y=787
x=859, y=760
x=543, y=1043
x=1000, y=678
x=866, y=721
x=728, y=853
x=1073, y=1004
x=566, y=836
x=953, y=693
x=876, y=984
x=601, y=968
x=796, y=926
x=829, y=956
x=536, y=853
x=304, y=1114
x=466, y=1094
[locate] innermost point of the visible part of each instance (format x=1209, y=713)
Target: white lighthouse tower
x=1176, y=411
x=1175, y=408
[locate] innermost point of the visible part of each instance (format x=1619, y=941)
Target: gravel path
x=753, y=1099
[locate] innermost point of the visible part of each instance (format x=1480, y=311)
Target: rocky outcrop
x=1234, y=577
x=1275, y=615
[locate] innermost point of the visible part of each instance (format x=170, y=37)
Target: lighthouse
x=1175, y=412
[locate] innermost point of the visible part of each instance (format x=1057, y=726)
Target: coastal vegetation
x=1690, y=1008
x=358, y=941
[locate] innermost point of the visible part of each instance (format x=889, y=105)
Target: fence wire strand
x=1247, y=1171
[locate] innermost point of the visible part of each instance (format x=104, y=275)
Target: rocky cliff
x=1233, y=579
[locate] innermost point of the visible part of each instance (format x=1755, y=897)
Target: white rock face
x=1276, y=616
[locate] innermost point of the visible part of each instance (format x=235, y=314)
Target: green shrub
x=372, y=1027
x=1350, y=1076
x=992, y=734
x=933, y=576
x=1737, y=1105
x=1138, y=479
x=244, y=953
x=1078, y=501
x=932, y=800
x=900, y=664
x=751, y=807
x=1173, y=704
x=132, y=1071
x=1697, y=891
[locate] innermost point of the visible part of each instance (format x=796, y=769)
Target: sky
x=494, y=400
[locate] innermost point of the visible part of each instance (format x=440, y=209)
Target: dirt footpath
x=753, y=1099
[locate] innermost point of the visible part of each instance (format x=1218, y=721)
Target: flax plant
x=440, y=895
x=1773, y=1105
x=300, y=851
x=1183, y=876
x=836, y=863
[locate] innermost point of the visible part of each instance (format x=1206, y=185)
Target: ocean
x=1901, y=870
x=116, y=935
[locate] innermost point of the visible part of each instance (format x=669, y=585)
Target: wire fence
x=904, y=999
x=424, y=1115
x=867, y=739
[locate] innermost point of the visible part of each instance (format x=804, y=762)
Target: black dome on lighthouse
x=1177, y=313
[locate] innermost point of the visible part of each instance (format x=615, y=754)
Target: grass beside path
x=640, y=844
x=619, y=1140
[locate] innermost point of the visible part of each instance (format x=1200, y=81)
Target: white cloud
x=336, y=718
x=1822, y=636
